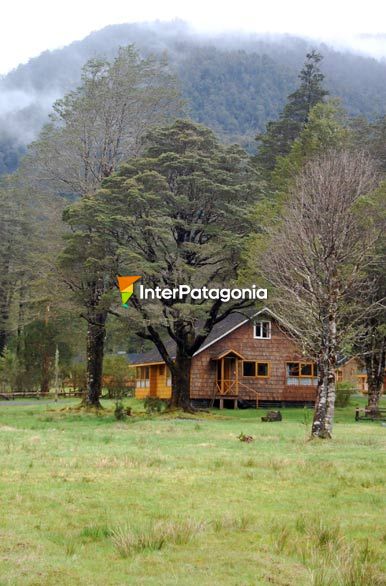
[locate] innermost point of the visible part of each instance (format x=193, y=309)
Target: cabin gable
x=260, y=365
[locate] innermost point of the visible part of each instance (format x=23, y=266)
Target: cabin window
x=255, y=368
x=168, y=378
x=362, y=383
x=262, y=329
x=143, y=377
x=306, y=369
x=162, y=369
x=339, y=376
x=249, y=368
x=301, y=373
x=262, y=369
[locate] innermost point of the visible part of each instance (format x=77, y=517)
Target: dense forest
x=132, y=176
x=233, y=84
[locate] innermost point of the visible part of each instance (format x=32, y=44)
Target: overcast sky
x=28, y=27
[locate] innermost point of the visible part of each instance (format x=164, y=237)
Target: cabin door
x=228, y=375
x=153, y=381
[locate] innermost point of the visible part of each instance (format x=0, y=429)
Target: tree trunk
x=375, y=367
x=96, y=332
x=45, y=374
x=4, y=314
x=181, y=381
x=3, y=341
x=321, y=400
x=325, y=401
x=4, y=302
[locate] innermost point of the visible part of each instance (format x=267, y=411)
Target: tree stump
x=272, y=416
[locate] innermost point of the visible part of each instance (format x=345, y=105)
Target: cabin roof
x=220, y=330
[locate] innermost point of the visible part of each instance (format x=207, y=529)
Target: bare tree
x=316, y=261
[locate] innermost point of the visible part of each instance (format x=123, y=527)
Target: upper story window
x=262, y=330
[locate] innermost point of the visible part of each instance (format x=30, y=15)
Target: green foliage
x=117, y=376
x=324, y=130
x=154, y=405
x=120, y=411
x=233, y=84
x=78, y=376
x=36, y=353
x=280, y=134
x=344, y=391
x=179, y=214
x=109, y=112
x=10, y=371
x=138, y=480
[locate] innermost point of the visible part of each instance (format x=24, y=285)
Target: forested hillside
x=233, y=84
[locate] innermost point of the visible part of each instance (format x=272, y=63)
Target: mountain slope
x=234, y=84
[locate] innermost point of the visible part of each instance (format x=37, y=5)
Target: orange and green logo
x=126, y=287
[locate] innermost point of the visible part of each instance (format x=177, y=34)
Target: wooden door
x=230, y=381
x=153, y=381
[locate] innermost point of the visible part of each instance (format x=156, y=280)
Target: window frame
x=249, y=375
x=168, y=377
x=262, y=321
x=142, y=377
x=256, y=363
x=268, y=369
x=300, y=376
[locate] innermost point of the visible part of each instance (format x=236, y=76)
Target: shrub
x=344, y=391
x=154, y=405
x=117, y=377
x=121, y=412
x=78, y=377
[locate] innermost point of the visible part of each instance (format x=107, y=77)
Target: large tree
x=370, y=343
x=316, y=261
x=280, y=134
x=177, y=216
x=93, y=128
x=15, y=230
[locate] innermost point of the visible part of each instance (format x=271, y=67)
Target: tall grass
x=129, y=540
x=330, y=559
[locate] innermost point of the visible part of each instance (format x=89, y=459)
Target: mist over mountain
x=233, y=83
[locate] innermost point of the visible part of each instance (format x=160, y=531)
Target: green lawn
x=181, y=501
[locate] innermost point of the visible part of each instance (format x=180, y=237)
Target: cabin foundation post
x=221, y=404
x=235, y=404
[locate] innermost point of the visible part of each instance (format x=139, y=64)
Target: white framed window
x=262, y=330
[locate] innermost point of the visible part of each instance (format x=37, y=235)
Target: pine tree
x=281, y=134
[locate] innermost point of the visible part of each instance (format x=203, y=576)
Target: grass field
x=165, y=500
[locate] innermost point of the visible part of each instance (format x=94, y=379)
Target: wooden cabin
x=245, y=360
x=353, y=370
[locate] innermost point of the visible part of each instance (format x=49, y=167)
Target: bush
x=14, y=376
x=121, y=412
x=344, y=391
x=117, y=377
x=154, y=405
x=78, y=377
x=8, y=371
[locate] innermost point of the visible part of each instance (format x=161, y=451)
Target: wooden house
x=353, y=371
x=245, y=360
